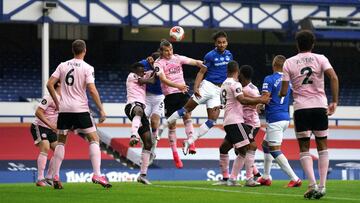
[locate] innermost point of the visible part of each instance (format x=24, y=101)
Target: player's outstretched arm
x=284, y=88
x=40, y=113
x=264, y=99
x=50, y=86
x=96, y=97
x=150, y=80
x=334, y=86
x=181, y=87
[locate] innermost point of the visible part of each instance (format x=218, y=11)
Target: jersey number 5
x=308, y=71
x=69, y=79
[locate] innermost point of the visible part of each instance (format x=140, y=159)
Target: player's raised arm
x=50, y=86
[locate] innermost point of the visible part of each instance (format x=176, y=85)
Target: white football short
x=210, y=95
x=275, y=132
x=154, y=104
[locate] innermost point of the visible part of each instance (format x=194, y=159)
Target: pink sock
x=135, y=125
x=249, y=163
x=224, y=165
x=307, y=164
x=50, y=171
x=323, y=164
x=255, y=169
x=41, y=164
x=154, y=133
x=59, y=154
x=189, y=128
x=95, y=157
x=237, y=166
x=145, y=156
x=172, y=140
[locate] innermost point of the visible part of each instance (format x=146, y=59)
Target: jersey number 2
x=69, y=79
x=308, y=71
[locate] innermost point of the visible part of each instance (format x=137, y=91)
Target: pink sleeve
x=45, y=102
x=90, y=76
x=158, y=67
x=56, y=73
x=237, y=89
x=325, y=64
x=286, y=72
x=184, y=59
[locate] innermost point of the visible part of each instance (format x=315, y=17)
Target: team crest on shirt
x=238, y=90
x=44, y=101
x=43, y=135
x=221, y=58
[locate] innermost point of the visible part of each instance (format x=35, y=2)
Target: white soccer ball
x=177, y=33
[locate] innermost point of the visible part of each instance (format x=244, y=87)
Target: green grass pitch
x=174, y=192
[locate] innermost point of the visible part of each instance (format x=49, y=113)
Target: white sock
x=285, y=166
x=267, y=165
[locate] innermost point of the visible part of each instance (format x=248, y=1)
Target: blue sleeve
x=207, y=60
x=146, y=64
x=231, y=56
x=267, y=85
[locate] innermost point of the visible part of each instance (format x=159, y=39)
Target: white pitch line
x=247, y=192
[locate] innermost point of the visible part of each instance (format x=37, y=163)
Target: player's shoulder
x=227, y=52
x=319, y=56
x=46, y=100
x=210, y=54
x=269, y=78
x=86, y=65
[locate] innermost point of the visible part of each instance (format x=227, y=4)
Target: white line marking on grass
x=247, y=192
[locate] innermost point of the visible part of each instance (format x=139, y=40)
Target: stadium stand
x=21, y=71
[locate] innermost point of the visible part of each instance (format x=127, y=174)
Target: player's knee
x=275, y=153
x=253, y=146
x=265, y=147
x=224, y=149
x=242, y=150
x=210, y=123
x=321, y=143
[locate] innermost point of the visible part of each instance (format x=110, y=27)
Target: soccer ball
x=177, y=33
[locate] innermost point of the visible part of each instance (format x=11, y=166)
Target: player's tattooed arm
x=150, y=80
x=264, y=99
x=181, y=87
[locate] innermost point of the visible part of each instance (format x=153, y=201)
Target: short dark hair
x=232, y=67
x=279, y=61
x=155, y=55
x=247, y=71
x=305, y=40
x=218, y=34
x=78, y=46
x=164, y=42
x=136, y=65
